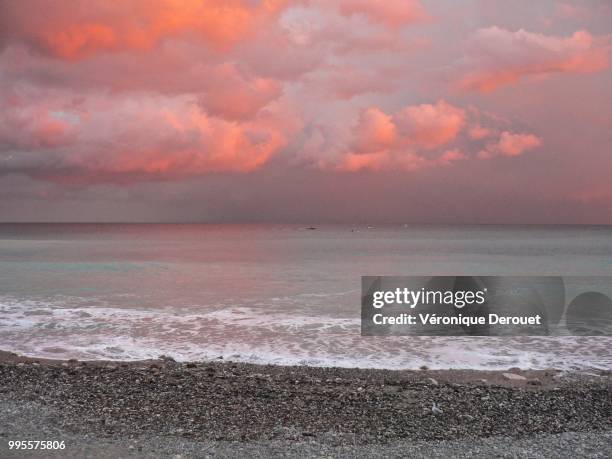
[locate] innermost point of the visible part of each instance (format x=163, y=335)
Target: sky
x=357, y=111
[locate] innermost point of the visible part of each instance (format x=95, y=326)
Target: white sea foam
x=59, y=328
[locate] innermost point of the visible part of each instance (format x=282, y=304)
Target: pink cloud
x=108, y=139
x=497, y=57
x=230, y=94
x=375, y=131
x=389, y=160
x=517, y=144
x=72, y=33
x=366, y=161
x=25, y=126
x=394, y=13
x=510, y=144
x=380, y=161
x=424, y=126
x=162, y=89
x=478, y=132
x=430, y=126
x=400, y=141
x=425, y=136
x=451, y=156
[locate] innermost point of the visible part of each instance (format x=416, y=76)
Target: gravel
x=162, y=408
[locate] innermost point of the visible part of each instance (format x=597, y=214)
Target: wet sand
x=161, y=408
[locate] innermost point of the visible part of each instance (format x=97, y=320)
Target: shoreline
x=542, y=378
x=192, y=403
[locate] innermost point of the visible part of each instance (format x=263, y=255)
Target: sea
x=272, y=294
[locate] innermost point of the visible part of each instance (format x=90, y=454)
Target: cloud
x=380, y=161
x=478, y=132
x=497, y=57
x=516, y=144
x=510, y=144
x=394, y=13
x=119, y=139
x=424, y=126
x=407, y=161
x=375, y=131
x=165, y=90
x=231, y=95
x=32, y=128
x=425, y=136
x=430, y=126
x=450, y=156
x=71, y=32
x=404, y=139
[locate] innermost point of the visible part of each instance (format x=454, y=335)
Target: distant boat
x=311, y=228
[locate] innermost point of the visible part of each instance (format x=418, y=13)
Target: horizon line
x=300, y=223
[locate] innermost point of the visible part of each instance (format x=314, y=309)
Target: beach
x=163, y=408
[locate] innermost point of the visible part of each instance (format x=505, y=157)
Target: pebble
x=514, y=377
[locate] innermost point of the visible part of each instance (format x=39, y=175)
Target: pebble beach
x=163, y=408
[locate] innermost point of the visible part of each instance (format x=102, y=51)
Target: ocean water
x=278, y=294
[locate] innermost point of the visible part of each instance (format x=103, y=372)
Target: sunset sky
x=359, y=111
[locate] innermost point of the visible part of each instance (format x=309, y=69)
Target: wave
x=70, y=327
